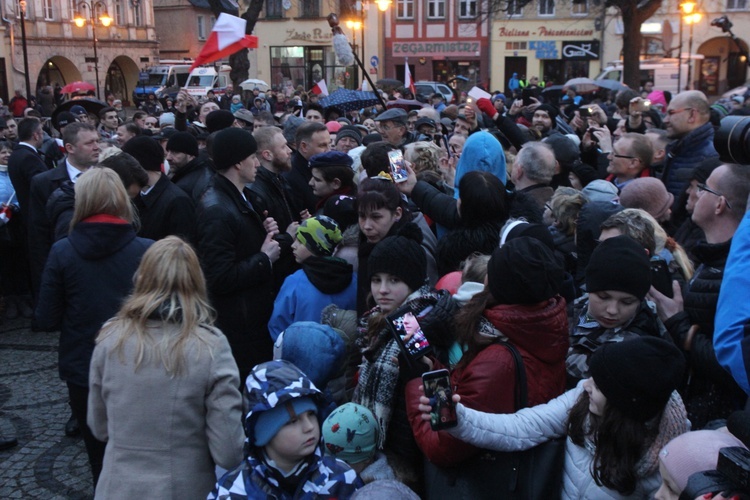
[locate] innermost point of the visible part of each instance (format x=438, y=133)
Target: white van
x=206, y=78
x=663, y=72
x=164, y=80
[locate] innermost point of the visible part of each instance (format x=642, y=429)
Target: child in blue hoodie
x=323, y=279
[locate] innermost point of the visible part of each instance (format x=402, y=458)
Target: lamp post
x=689, y=16
x=22, y=4
x=80, y=21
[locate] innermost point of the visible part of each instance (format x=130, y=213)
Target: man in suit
x=82, y=147
x=25, y=161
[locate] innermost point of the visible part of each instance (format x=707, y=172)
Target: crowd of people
x=229, y=281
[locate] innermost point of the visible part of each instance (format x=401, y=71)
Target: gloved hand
x=486, y=107
x=411, y=369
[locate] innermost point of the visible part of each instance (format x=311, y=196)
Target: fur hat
x=524, y=271
x=401, y=255
x=620, y=264
x=183, y=142
x=638, y=376
x=649, y=194
x=320, y=235
x=231, y=146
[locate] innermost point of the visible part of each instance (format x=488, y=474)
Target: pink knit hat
x=693, y=452
x=649, y=194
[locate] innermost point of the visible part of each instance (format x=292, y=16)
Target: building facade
x=59, y=52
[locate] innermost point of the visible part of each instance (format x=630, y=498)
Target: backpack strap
x=521, y=388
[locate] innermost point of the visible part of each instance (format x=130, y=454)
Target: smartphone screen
x=661, y=278
x=405, y=326
x=437, y=388
x=526, y=95
x=398, y=171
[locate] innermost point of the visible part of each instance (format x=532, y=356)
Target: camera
x=732, y=474
x=732, y=139
x=722, y=22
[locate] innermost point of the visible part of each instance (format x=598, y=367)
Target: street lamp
x=689, y=16
x=22, y=4
x=104, y=19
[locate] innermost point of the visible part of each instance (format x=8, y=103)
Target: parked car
x=426, y=89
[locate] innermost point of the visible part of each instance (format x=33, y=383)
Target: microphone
x=343, y=50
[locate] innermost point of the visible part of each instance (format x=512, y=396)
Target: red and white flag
x=320, y=88
x=227, y=37
x=408, y=82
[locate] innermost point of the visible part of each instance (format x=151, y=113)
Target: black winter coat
x=711, y=392
x=298, y=178
x=87, y=277
x=166, y=210
x=239, y=276
x=194, y=177
x=23, y=164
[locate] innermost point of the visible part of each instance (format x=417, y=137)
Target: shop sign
x=583, y=50
x=544, y=50
x=316, y=35
x=443, y=49
x=543, y=32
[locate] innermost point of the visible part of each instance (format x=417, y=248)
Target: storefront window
x=293, y=67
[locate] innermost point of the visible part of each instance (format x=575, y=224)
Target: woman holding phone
x=520, y=305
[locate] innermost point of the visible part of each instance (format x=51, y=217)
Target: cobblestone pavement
x=34, y=408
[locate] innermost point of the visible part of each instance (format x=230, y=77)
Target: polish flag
x=227, y=37
x=320, y=88
x=408, y=82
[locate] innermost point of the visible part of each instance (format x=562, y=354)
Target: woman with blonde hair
x=164, y=385
x=87, y=276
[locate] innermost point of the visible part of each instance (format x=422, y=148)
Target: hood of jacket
x=97, y=240
x=330, y=275
x=481, y=152
x=540, y=329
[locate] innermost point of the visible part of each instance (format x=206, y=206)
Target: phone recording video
x=526, y=95
x=398, y=170
x=408, y=334
x=584, y=111
x=437, y=388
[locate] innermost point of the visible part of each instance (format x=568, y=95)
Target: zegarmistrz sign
x=427, y=49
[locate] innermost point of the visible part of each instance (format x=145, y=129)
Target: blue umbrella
x=349, y=100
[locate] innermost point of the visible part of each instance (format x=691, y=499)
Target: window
x=546, y=7
x=579, y=8
x=309, y=8
x=467, y=8
x=201, y=27
x=137, y=14
x=29, y=10
x=435, y=9
x=119, y=13
x=405, y=9
x=273, y=9
x=736, y=4
x=515, y=7
x=48, y=11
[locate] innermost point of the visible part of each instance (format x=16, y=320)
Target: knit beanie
x=566, y=151
x=524, y=271
x=219, y=119
x=620, y=264
x=63, y=119
x=183, y=142
x=320, y=235
x=693, y=452
x=351, y=433
x=270, y=422
x=551, y=111
x=649, y=194
x=349, y=131
x=519, y=228
x=231, y=146
x=384, y=489
x=600, y=190
x=341, y=209
x=637, y=376
x=331, y=159
x=401, y=255
x=317, y=350
x=586, y=174
x=147, y=151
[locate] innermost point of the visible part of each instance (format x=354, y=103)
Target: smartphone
x=584, y=111
x=639, y=105
x=404, y=325
x=661, y=278
x=526, y=95
x=437, y=388
x=591, y=131
x=398, y=170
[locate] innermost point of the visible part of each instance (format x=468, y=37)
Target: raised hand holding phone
x=440, y=400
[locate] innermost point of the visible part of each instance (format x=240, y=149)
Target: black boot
x=71, y=427
x=7, y=443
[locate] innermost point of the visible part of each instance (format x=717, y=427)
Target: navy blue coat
x=86, y=279
x=684, y=155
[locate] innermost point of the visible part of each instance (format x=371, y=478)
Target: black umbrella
x=388, y=84
x=90, y=104
x=610, y=84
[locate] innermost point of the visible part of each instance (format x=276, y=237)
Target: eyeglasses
x=703, y=187
x=615, y=155
x=671, y=112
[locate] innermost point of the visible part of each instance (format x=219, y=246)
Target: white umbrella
x=251, y=83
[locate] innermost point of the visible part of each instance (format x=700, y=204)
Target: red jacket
x=540, y=333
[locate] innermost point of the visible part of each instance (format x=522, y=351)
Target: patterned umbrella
x=349, y=100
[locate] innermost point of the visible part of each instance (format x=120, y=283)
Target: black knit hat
x=231, y=146
x=401, y=255
x=620, y=264
x=351, y=132
x=551, y=111
x=524, y=271
x=637, y=376
x=219, y=119
x=183, y=142
x=147, y=151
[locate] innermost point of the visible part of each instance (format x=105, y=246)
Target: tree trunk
x=634, y=14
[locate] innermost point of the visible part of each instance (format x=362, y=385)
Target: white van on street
x=663, y=72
